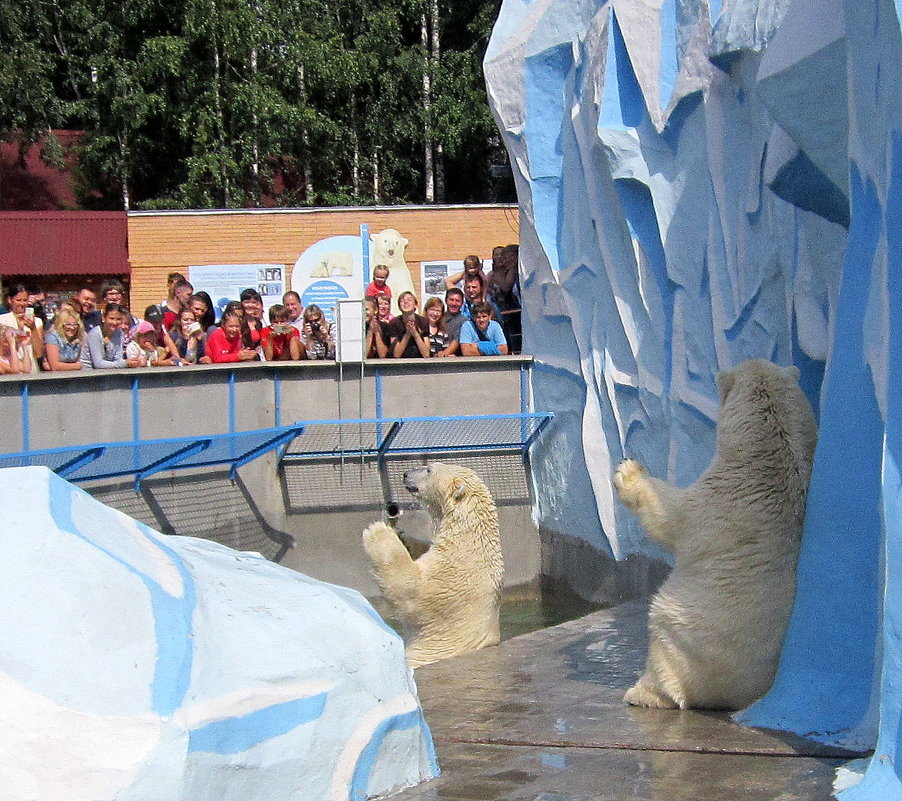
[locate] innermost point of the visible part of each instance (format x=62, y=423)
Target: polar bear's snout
x=413, y=479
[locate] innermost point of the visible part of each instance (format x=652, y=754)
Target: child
x=280, y=339
x=384, y=305
x=378, y=285
x=143, y=346
x=9, y=355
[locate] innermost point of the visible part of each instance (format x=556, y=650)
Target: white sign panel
x=225, y=282
x=329, y=271
x=434, y=273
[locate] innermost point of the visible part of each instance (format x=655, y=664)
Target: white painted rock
x=139, y=667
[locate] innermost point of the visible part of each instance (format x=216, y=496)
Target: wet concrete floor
x=541, y=718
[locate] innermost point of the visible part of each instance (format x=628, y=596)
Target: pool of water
x=523, y=609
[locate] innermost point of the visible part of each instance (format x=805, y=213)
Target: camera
x=314, y=327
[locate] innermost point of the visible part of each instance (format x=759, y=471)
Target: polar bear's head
x=388, y=247
x=761, y=401
x=442, y=487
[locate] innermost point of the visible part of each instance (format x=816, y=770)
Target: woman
x=375, y=344
x=202, y=306
x=189, y=339
x=409, y=332
x=252, y=324
x=318, y=336
x=439, y=338
x=224, y=344
x=103, y=348
x=30, y=329
x=64, y=340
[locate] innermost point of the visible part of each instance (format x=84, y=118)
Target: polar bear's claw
x=641, y=695
x=378, y=540
x=630, y=482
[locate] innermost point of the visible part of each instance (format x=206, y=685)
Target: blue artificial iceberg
x=701, y=183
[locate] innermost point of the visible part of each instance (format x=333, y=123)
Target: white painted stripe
x=245, y=701
x=360, y=739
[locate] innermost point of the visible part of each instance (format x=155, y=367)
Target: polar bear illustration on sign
x=335, y=263
x=387, y=247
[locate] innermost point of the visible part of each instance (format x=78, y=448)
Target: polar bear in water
x=450, y=595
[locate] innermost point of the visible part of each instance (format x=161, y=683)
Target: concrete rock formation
x=701, y=183
x=141, y=667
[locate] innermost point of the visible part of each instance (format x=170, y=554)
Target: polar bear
x=449, y=597
x=387, y=247
x=336, y=262
x=716, y=626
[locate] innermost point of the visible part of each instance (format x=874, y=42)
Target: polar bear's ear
x=458, y=489
x=725, y=382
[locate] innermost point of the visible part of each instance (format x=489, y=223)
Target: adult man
x=454, y=317
x=86, y=300
x=481, y=335
x=292, y=302
x=474, y=292
x=182, y=290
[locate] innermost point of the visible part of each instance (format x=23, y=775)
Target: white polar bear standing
x=387, y=247
x=450, y=595
x=717, y=624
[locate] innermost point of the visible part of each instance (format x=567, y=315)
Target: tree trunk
x=123, y=172
x=355, y=156
x=255, y=140
x=428, y=164
x=377, y=189
x=305, y=139
x=220, y=123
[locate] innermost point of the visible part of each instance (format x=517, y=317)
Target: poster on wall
x=225, y=282
x=434, y=273
x=329, y=271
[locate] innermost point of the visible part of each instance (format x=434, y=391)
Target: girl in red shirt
x=224, y=344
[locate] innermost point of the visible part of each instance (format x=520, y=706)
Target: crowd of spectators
x=95, y=330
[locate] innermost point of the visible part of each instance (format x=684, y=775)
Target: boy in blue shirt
x=481, y=335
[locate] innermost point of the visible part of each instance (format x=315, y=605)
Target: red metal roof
x=64, y=242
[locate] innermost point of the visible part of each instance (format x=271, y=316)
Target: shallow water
x=523, y=609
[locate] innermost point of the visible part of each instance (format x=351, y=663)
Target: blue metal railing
x=377, y=437
x=144, y=458
x=380, y=437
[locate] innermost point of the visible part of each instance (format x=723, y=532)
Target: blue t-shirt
x=494, y=333
x=69, y=351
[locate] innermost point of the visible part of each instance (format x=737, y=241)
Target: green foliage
x=230, y=103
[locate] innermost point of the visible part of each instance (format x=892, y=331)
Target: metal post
x=524, y=404
x=365, y=251
x=378, y=377
x=26, y=424
x=136, y=430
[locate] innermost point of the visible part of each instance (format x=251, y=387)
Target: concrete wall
x=325, y=505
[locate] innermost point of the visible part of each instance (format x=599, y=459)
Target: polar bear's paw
x=380, y=541
x=641, y=694
x=631, y=483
